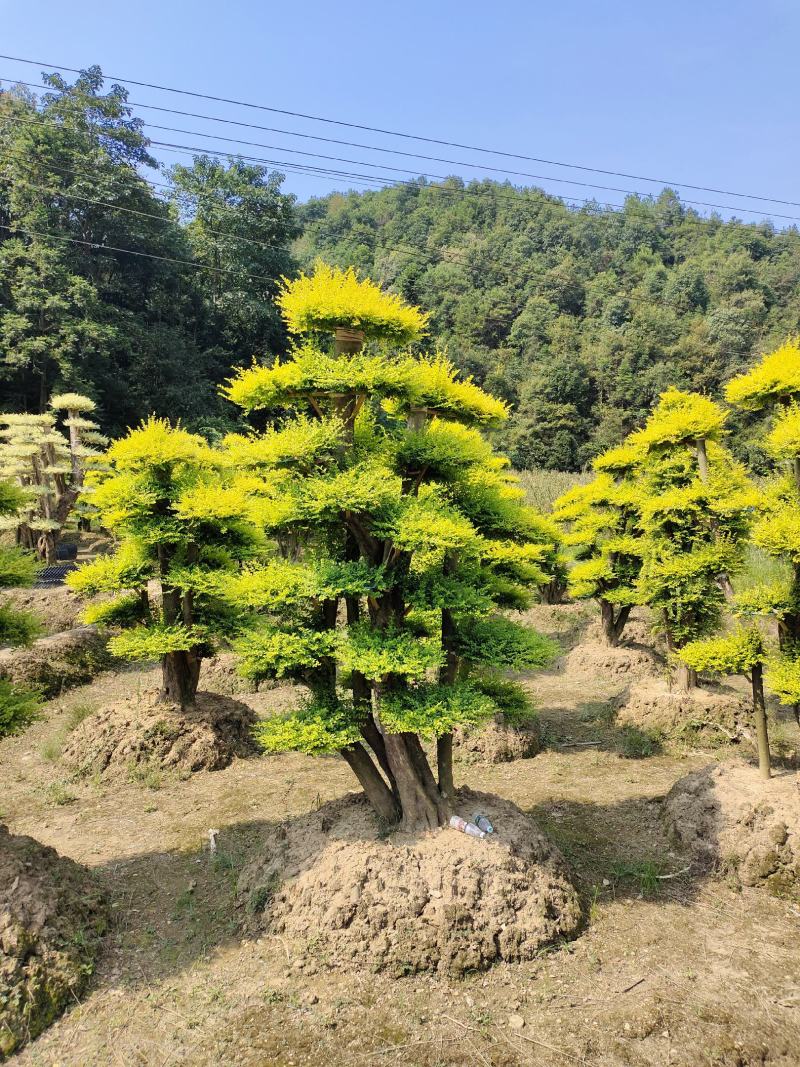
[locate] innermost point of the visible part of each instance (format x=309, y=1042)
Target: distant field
x=543, y=487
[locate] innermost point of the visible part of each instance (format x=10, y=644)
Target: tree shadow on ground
x=591, y=724
x=620, y=851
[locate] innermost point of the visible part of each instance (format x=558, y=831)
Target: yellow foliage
x=331, y=297
x=776, y=377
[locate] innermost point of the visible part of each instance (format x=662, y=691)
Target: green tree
x=74, y=314
x=18, y=567
x=742, y=651
x=603, y=526
x=772, y=389
x=49, y=466
x=181, y=528
x=399, y=535
x=239, y=223
x=694, y=510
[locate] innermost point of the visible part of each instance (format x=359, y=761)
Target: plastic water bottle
x=482, y=822
x=466, y=827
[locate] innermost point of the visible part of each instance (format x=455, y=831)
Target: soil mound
x=730, y=818
x=57, y=607
x=499, y=741
x=718, y=714
x=148, y=733
x=52, y=916
x=219, y=675
x=63, y=661
x=438, y=901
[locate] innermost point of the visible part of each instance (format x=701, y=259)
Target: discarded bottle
x=482, y=822
x=466, y=827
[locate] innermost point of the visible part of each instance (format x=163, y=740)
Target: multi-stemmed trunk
x=612, y=624
x=180, y=673
x=398, y=781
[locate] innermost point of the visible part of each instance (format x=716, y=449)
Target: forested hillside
x=145, y=289
x=579, y=318
x=142, y=293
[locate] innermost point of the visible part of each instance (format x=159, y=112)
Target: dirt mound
x=717, y=714
x=730, y=818
x=52, y=916
x=148, y=733
x=565, y=623
x=438, y=901
x=219, y=675
x=598, y=658
x=63, y=661
x=57, y=608
x=499, y=741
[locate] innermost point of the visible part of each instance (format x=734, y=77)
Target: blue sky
x=701, y=92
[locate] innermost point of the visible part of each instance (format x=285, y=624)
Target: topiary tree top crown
x=680, y=418
x=775, y=379
x=331, y=298
x=72, y=402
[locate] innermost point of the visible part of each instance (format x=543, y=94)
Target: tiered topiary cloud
x=399, y=533
x=181, y=528
x=50, y=467
x=773, y=388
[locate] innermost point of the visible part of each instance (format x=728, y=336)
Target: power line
x=97, y=246
x=518, y=199
x=395, y=151
x=407, y=136
x=386, y=166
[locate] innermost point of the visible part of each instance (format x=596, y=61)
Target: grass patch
x=638, y=744
x=58, y=794
x=644, y=874
x=542, y=487
x=146, y=774
x=76, y=715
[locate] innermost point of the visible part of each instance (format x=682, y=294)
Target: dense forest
x=579, y=317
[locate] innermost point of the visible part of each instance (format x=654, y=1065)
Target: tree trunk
x=447, y=675
x=444, y=762
x=760, y=712
x=180, y=673
x=702, y=460
x=607, y=622
x=46, y=547
x=621, y=622
x=686, y=678
x=422, y=805
x=378, y=793
x=553, y=592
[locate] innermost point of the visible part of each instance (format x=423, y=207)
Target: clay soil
x=675, y=965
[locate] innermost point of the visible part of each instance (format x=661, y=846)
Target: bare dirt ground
x=673, y=965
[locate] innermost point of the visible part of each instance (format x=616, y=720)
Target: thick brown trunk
x=760, y=713
x=553, y=592
x=377, y=791
x=686, y=678
x=444, y=760
x=422, y=806
x=374, y=738
x=607, y=622
x=46, y=547
x=621, y=621
x=180, y=673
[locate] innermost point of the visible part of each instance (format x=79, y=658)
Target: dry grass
x=679, y=971
x=542, y=487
